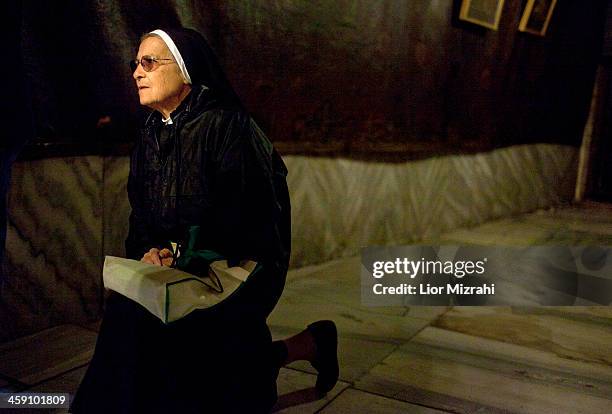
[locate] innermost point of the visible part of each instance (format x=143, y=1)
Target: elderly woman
x=201, y=160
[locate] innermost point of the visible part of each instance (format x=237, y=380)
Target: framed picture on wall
x=536, y=16
x=483, y=12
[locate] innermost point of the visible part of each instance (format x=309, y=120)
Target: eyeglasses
x=149, y=63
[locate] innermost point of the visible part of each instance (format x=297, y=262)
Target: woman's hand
x=158, y=257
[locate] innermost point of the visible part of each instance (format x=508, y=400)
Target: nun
x=201, y=160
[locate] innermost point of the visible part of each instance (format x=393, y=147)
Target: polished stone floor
x=410, y=360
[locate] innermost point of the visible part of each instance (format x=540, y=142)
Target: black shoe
x=326, y=354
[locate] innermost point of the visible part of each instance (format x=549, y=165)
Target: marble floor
x=410, y=360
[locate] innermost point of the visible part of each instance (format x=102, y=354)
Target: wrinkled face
x=162, y=88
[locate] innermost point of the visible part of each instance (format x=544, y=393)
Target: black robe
x=212, y=167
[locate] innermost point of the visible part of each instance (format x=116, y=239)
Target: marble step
x=580, y=333
x=503, y=232
x=297, y=394
x=573, y=221
x=464, y=373
x=352, y=401
x=66, y=383
x=46, y=354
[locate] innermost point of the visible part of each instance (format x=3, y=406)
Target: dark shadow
x=303, y=396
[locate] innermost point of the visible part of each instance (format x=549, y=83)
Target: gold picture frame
x=482, y=12
x=536, y=16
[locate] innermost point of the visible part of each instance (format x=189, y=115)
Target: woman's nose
x=138, y=72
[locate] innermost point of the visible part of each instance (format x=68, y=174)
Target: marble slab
x=464, y=373
x=596, y=211
x=352, y=401
x=502, y=232
x=339, y=281
x=54, y=244
x=299, y=311
x=116, y=205
x=589, y=314
x=341, y=205
x=46, y=354
x=552, y=226
x=570, y=237
x=573, y=220
x=591, y=378
x=567, y=337
x=65, y=383
x=296, y=393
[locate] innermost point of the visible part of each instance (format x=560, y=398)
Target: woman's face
x=163, y=87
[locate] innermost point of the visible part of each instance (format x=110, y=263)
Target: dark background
x=387, y=79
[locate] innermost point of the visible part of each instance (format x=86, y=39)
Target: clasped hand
x=158, y=257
